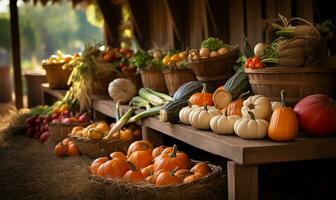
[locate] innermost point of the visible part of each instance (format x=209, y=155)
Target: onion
x=213, y=53
x=204, y=52
x=259, y=49
x=223, y=51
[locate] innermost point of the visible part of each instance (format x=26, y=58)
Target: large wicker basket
x=215, y=68
x=176, y=77
x=59, y=132
x=153, y=79
x=298, y=82
x=95, y=149
x=211, y=186
x=56, y=76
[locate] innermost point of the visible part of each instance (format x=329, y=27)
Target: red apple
x=44, y=136
x=56, y=121
x=83, y=118
x=37, y=134
x=55, y=116
x=30, y=132
x=317, y=115
x=29, y=121
x=69, y=120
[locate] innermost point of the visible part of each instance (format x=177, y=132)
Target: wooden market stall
x=185, y=25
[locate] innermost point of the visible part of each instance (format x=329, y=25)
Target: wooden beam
x=236, y=22
x=16, y=53
x=253, y=21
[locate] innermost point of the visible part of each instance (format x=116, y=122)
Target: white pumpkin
x=122, y=90
x=185, y=112
x=200, y=117
x=275, y=105
x=259, y=105
x=223, y=124
x=251, y=128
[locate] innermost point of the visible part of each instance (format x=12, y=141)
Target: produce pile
x=211, y=47
x=144, y=164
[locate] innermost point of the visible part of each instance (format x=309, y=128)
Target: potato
x=223, y=51
x=214, y=53
x=204, y=52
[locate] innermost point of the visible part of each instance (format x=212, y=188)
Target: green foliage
x=213, y=44
x=5, y=38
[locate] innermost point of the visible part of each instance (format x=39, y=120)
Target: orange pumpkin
x=170, y=161
x=157, y=151
x=234, y=108
x=133, y=174
x=144, y=145
x=167, y=178
x=61, y=149
x=119, y=155
x=201, y=168
x=284, y=124
x=192, y=178
x=182, y=173
x=150, y=179
x=202, y=98
x=141, y=159
x=147, y=171
x=114, y=168
x=73, y=149
x=96, y=164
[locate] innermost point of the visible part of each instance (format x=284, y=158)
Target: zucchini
x=235, y=86
x=186, y=90
x=170, y=112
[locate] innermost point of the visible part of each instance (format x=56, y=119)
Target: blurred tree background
x=44, y=30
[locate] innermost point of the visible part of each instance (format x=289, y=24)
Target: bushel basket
x=216, y=68
x=59, y=132
x=153, y=79
x=99, y=148
x=56, y=76
x=298, y=82
x=176, y=77
x=211, y=186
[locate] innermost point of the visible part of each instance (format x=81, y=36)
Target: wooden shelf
x=56, y=93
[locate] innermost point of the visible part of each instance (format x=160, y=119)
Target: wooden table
x=245, y=155
x=49, y=96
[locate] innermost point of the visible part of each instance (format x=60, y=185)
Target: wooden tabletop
x=56, y=93
x=244, y=152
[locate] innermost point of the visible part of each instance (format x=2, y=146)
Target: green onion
x=161, y=95
x=139, y=102
x=147, y=113
x=153, y=99
x=121, y=123
x=117, y=111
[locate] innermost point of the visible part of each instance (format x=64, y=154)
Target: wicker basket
x=177, y=77
x=56, y=76
x=210, y=187
x=59, y=132
x=298, y=82
x=153, y=79
x=95, y=149
x=215, y=68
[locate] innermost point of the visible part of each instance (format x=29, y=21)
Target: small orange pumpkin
x=284, y=124
x=73, y=149
x=147, y=171
x=119, y=155
x=96, y=164
x=133, y=174
x=115, y=168
x=170, y=161
x=157, y=151
x=201, y=168
x=167, y=178
x=182, y=173
x=202, y=98
x=144, y=145
x=234, y=108
x=141, y=159
x=61, y=149
x=192, y=178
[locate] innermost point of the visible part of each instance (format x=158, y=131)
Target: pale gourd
x=223, y=124
x=275, y=105
x=200, y=117
x=251, y=128
x=259, y=105
x=185, y=112
x=122, y=90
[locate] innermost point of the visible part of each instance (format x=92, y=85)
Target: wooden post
x=16, y=53
x=242, y=181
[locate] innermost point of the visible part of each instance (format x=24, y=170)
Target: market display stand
x=245, y=155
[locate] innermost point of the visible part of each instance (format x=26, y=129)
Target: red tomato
x=251, y=65
x=258, y=65
x=317, y=115
x=247, y=62
x=256, y=60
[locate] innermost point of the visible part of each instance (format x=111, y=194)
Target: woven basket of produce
x=153, y=79
x=96, y=148
x=298, y=82
x=176, y=77
x=56, y=76
x=210, y=186
x=59, y=131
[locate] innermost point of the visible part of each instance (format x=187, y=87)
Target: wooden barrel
x=175, y=78
x=218, y=68
x=298, y=82
x=154, y=79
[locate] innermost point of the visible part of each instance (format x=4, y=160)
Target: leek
x=153, y=99
x=139, y=102
x=147, y=113
x=163, y=96
x=121, y=123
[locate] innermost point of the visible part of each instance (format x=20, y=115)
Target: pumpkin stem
x=206, y=107
x=132, y=166
x=243, y=94
x=226, y=112
x=173, y=154
x=283, y=94
x=189, y=104
x=204, y=90
x=251, y=115
x=173, y=171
